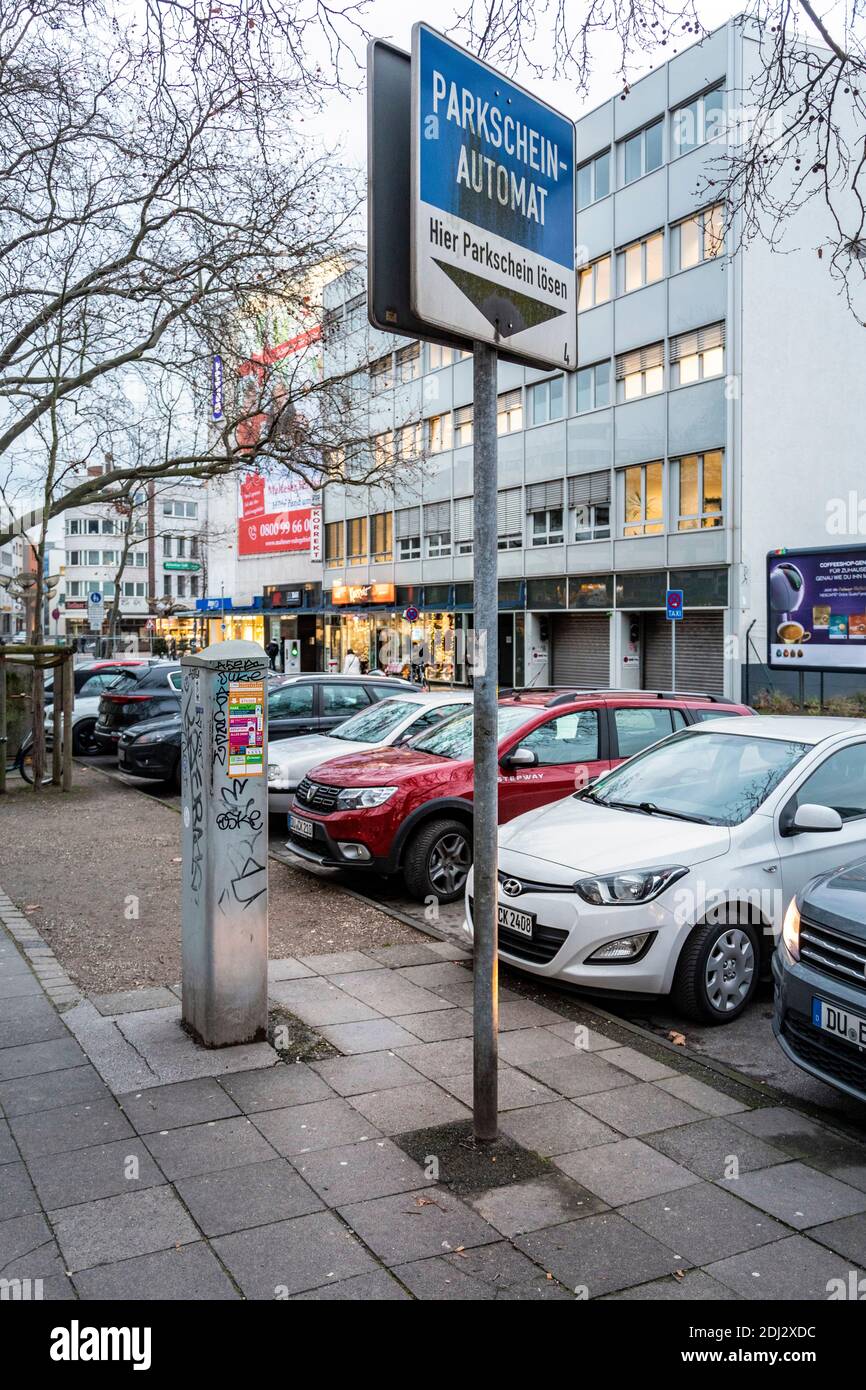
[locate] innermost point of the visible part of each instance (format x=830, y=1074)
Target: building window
x=357, y=540
x=108, y=528
x=699, y=121
x=166, y=586
x=383, y=449
x=166, y=547
x=140, y=559
x=464, y=522
x=438, y=356
x=409, y=442
x=698, y=238
x=109, y=557
x=641, y=152
x=381, y=549
x=193, y=586
x=72, y=527
x=544, y=508
x=93, y=526
x=382, y=373
x=698, y=355
x=509, y=412
x=589, y=498
x=73, y=558
x=546, y=400
x=509, y=519
x=407, y=526
x=181, y=547
x=181, y=586
x=697, y=479
x=409, y=363
x=640, y=373
x=593, y=284
x=437, y=529
x=93, y=557
x=593, y=387
x=439, y=433
x=640, y=264
x=463, y=426
x=642, y=507
x=183, y=509
x=593, y=180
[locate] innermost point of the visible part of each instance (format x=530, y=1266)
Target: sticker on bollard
x=246, y=714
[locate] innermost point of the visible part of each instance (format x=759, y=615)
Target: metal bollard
x=225, y=850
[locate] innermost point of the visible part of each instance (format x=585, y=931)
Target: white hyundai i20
x=672, y=873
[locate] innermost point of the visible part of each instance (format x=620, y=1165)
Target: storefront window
x=706, y=588
x=546, y=593
x=591, y=591
x=643, y=589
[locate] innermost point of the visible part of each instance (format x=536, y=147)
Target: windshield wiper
x=650, y=809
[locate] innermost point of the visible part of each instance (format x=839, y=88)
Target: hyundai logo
x=513, y=887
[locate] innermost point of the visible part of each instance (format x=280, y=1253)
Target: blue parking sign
x=674, y=604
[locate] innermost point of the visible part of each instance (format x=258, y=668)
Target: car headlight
x=353, y=797
x=791, y=929
x=275, y=775
x=629, y=887
x=149, y=738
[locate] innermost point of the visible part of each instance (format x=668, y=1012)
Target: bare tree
x=797, y=137
x=159, y=191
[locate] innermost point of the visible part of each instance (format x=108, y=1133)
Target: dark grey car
x=819, y=970
x=317, y=702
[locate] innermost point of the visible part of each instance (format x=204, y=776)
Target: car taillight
x=124, y=699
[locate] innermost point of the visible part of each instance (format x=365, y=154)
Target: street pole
x=673, y=655
x=486, y=747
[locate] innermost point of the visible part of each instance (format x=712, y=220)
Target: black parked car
x=314, y=703
x=819, y=970
x=152, y=749
x=143, y=693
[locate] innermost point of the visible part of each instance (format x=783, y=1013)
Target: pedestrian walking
x=273, y=651
x=351, y=664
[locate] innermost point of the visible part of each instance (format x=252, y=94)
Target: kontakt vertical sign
x=493, y=210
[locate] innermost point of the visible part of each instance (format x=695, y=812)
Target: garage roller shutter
x=700, y=653
x=581, y=650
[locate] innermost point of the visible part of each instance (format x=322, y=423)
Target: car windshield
x=374, y=724
x=454, y=738
x=715, y=778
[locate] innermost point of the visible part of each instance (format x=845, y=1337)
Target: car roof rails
x=563, y=695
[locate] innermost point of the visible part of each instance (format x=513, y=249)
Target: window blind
x=437, y=517
x=509, y=521
x=464, y=519
x=589, y=489
x=541, y=497
x=640, y=360
x=698, y=340
x=408, y=522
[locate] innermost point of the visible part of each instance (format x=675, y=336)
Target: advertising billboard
x=274, y=514
x=493, y=207
x=816, y=609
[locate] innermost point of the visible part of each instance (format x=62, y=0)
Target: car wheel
x=717, y=972
x=438, y=860
x=83, y=742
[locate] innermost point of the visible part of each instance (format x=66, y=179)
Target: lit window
x=509, y=412
x=641, y=264
x=642, y=503
x=698, y=355
x=380, y=537
x=439, y=433
x=698, y=480
x=594, y=284
x=698, y=238
x=409, y=362
x=463, y=426
x=640, y=373
x=357, y=538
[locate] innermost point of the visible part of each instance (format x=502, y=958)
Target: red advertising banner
x=269, y=519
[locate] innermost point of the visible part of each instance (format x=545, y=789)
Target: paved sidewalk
x=136, y=1165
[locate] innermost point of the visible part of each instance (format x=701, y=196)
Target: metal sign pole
x=486, y=747
x=673, y=656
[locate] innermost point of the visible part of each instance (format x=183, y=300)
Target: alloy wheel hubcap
x=730, y=968
x=450, y=860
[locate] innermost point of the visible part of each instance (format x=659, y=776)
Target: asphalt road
x=747, y=1045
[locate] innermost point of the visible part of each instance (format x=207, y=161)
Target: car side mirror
x=519, y=757
x=815, y=819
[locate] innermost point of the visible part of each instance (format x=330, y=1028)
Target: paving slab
x=703, y=1097
x=256, y=1194
x=638, y=1064
x=121, y=1065
x=68, y=1127
x=532, y=1205
x=847, y=1237
x=493, y=1273
x=398, y=956
x=17, y=1193
x=363, y=1288
x=793, y=1269
x=625, y=1171
x=703, y=1223
x=8, y=1148
x=287, y=1257
x=172, y=1107
x=579, y=1074
x=599, y=1254
x=803, y=1138
x=287, y=969
x=292, y=1083
x=437, y=1059
x=316, y=1001
x=47, y=1090
x=206, y=1148
x=389, y=993
x=374, y=1035
x=131, y=1001
x=339, y=962
x=18, y=985
x=135, y=1223
x=190, y=1273
x=692, y=1286
x=106, y=1170
x=583, y=1037
x=28, y=1249
x=534, y=1045
x=516, y=1090
x=556, y=1129
x=408, y=1227
x=398, y=1110
x=639, y=1109
x=437, y=975
x=712, y=1147
x=797, y=1194
x=366, y=1072
x=323, y=1124
x=354, y=1172
x=438, y=1026
x=25, y=1020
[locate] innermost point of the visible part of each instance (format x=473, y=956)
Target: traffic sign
x=674, y=603
x=95, y=610
x=493, y=207
x=411, y=614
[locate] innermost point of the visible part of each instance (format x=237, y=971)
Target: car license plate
x=830, y=1018
x=512, y=920
x=302, y=827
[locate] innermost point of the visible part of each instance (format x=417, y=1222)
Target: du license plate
x=302, y=827
x=512, y=920
x=842, y=1024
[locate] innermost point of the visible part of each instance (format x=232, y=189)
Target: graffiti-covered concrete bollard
x=225, y=843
